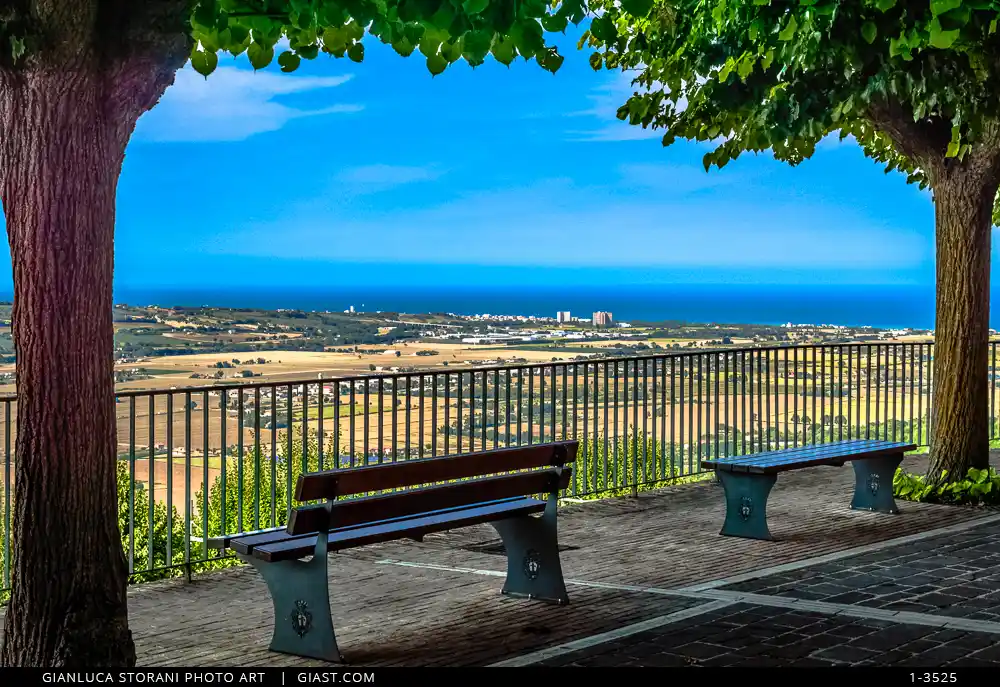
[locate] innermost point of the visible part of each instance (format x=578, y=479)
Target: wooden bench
x=303, y=625
x=747, y=480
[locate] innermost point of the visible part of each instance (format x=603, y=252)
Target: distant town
x=158, y=346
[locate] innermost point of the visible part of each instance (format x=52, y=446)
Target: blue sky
x=342, y=171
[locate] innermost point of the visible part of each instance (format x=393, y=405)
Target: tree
x=915, y=83
x=75, y=76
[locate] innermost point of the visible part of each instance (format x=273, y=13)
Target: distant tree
x=916, y=84
x=75, y=76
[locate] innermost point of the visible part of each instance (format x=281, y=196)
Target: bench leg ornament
x=746, y=504
x=300, y=593
x=873, y=484
x=533, y=567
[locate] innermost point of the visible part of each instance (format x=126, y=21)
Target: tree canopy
x=444, y=31
x=916, y=82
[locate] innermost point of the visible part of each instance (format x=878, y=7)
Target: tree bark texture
x=960, y=418
x=66, y=117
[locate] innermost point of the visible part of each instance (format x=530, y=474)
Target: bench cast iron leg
x=300, y=592
x=533, y=567
x=873, y=484
x=746, y=504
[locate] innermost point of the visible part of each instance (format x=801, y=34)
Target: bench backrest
x=542, y=468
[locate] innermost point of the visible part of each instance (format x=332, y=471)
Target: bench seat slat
x=833, y=453
x=299, y=547
x=245, y=543
x=836, y=447
x=853, y=444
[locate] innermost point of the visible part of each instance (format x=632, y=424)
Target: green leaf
x=288, y=61
x=885, y=5
x=940, y=38
x=356, y=53
x=745, y=67
x=403, y=46
x=554, y=23
x=596, y=61
x=504, y=52
x=204, y=62
x=637, y=8
x=942, y=6
x=475, y=6
x=788, y=32
x=869, y=31
x=260, y=55
x=436, y=64
x=603, y=28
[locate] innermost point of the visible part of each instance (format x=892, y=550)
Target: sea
x=852, y=305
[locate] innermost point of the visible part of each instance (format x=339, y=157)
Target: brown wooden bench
x=404, y=509
x=747, y=480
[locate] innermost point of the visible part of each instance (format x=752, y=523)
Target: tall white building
x=563, y=316
x=602, y=319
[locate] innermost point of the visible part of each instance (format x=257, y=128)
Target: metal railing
x=200, y=462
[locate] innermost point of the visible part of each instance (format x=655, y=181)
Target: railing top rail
x=453, y=370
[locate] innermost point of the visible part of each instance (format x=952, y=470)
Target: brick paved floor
x=746, y=635
x=453, y=614
x=956, y=576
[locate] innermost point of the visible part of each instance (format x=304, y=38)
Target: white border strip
x=620, y=633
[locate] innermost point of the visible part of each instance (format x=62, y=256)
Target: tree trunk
x=960, y=419
x=61, y=155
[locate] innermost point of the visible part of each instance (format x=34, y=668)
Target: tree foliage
x=443, y=31
x=916, y=82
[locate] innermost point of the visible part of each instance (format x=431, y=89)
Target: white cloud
x=232, y=105
x=557, y=222
x=379, y=177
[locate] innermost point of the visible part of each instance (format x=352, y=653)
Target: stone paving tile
x=956, y=575
x=744, y=635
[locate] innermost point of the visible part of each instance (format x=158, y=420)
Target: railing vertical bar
x=766, y=379
x=615, y=446
x=395, y=420
x=320, y=433
x=256, y=458
x=851, y=434
x=603, y=394
x=840, y=393
x=635, y=419
x=366, y=446
x=206, y=487
x=645, y=415
x=170, y=479
x=993, y=389
x=223, y=416
x=380, y=430
x=673, y=416
x=663, y=418
x=815, y=379
x=553, y=415
x=587, y=455
x=422, y=413
x=930, y=394
x=797, y=420
x=351, y=423
x=131, y=485
x=920, y=394
x=289, y=458
x=187, y=482
x=565, y=402
x=541, y=404
x=460, y=411
x=531, y=405
x=507, y=408
x=699, y=400
x=655, y=467
x=520, y=402
x=408, y=396
x=822, y=391
x=274, y=457
x=336, y=425
x=496, y=410
x=434, y=412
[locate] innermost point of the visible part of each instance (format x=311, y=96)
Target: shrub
x=979, y=488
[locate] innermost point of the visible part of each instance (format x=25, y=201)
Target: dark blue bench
x=411, y=498
x=747, y=480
